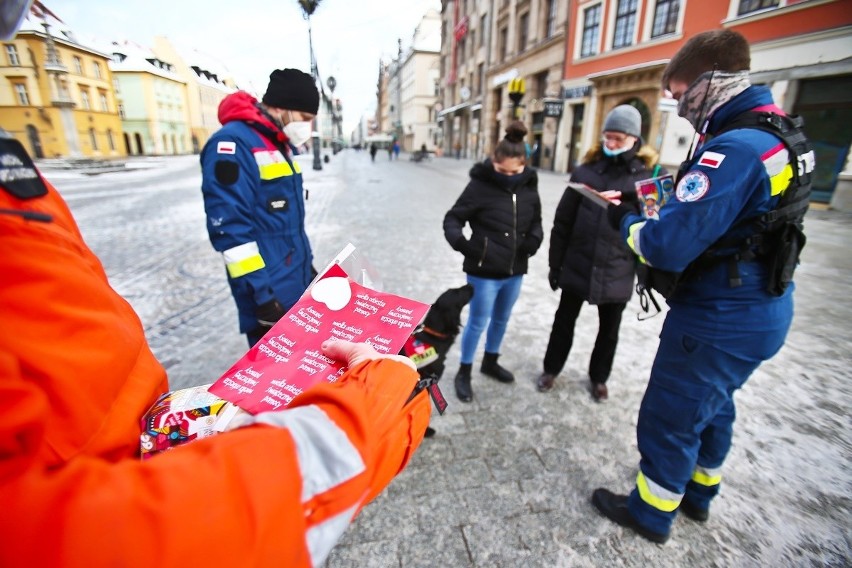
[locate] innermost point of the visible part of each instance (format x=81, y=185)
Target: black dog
x=428, y=346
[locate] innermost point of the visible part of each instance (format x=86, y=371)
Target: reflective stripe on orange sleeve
x=327, y=459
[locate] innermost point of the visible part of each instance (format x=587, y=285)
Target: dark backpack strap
x=777, y=234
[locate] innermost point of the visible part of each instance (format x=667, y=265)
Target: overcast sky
x=253, y=37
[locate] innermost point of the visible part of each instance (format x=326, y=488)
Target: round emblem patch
x=692, y=186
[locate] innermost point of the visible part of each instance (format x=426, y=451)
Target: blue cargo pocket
x=677, y=395
x=678, y=408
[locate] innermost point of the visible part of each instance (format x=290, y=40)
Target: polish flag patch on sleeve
x=711, y=159
x=225, y=147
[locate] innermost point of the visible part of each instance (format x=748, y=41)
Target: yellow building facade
x=57, y=97
x=206, y=85
x=152, y=102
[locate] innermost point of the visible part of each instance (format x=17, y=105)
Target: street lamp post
x=331, y=83
x=517, y=88
x=308, y=7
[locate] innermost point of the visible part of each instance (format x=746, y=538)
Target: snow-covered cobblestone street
x=507, y=479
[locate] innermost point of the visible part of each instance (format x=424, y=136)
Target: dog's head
x=445, y=314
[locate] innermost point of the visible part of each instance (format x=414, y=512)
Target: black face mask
x=507, y=180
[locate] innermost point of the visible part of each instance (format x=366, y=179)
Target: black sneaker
x=614, y=508
x=695, y=513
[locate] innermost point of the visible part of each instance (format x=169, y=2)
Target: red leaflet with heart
x=289, y=360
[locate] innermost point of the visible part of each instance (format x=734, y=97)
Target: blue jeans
x=490, y=306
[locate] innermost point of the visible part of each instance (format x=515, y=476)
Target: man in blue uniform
x=253, y=197
x=723, y=320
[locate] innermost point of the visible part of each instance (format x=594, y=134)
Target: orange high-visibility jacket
x=76, y=374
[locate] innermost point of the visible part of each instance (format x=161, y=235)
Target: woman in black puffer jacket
x=588, y=259
x=502, y=207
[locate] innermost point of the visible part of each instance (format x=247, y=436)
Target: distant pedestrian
x=588, y=258
x=373, y=150
x=254, y=198
x=390, y=152
x=502, y=206
x=458, y=149
x=396, y=150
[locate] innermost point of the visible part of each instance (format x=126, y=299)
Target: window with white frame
x=78, y=65
x=93, y=138
x=96, y=67
x=504, y=43
x=110, y=140
x=665, y=17
x=121, y=112
x=625, y=23
x=12, y=55
x=84, y=98
x=749, y=6
x=23, y=96
x=591, y=31
x=104, y=101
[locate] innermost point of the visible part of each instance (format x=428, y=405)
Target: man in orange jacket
x=76, y=374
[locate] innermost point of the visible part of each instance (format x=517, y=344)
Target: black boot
x=695, y=513
x=463, y=390
x=614, y=508
x=495, y=371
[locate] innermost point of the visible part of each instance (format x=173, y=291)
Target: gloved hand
x=269, y=312
x=615, y=213
x=553, y=279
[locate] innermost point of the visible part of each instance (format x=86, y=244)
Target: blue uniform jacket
x=735, y=176
x=254, y=200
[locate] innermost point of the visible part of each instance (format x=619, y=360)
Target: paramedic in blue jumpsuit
x=715, y=335
x=253, y=197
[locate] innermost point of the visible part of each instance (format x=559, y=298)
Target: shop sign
x=553, y=108
x=576, y=92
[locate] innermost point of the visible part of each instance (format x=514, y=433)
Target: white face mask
x=615, y=152
x=298, y=132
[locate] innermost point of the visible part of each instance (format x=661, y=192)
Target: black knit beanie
x=292, y=89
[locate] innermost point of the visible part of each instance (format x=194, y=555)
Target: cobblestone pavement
x=507, y=479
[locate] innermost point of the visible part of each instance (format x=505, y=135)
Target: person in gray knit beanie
x=624, y=118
